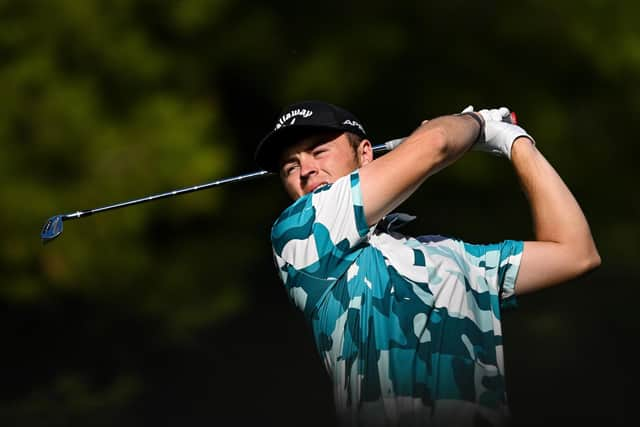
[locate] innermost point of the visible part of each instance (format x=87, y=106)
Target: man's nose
x=308, y=166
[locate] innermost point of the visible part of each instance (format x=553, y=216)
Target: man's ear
x=365, y=152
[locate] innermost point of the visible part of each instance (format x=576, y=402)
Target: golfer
x=409, y=328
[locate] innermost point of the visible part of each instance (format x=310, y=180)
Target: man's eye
x=319, y=151
x=288, y=170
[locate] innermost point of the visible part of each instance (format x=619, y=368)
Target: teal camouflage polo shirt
x=408, y=328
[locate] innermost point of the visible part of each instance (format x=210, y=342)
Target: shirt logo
x=291, y=117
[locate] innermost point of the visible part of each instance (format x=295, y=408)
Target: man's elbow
x=596, y=260
x=589, y=261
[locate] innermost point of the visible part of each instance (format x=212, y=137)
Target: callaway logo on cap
x=290, y=117
x=299, y=120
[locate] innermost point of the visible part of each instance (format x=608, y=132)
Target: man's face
x=318, y=160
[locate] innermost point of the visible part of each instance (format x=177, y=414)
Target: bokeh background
x=170, y=313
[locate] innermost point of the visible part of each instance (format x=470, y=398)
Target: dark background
x=170, y=313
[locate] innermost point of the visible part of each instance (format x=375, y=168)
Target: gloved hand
x=498, y=133
x=501, y=114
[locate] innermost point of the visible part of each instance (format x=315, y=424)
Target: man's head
x=313, y=143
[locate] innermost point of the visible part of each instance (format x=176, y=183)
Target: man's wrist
x=478, y=118
x=520, y=145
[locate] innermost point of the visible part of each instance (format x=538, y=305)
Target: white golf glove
x=499, y=133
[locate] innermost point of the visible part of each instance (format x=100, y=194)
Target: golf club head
x=52, y=228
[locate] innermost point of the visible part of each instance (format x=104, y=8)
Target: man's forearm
x=461, y=131
x=391, y=179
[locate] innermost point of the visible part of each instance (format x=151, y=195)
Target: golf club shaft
x=246, y=177
x=387, y=146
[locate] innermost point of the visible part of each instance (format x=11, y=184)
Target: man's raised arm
x=564, y=247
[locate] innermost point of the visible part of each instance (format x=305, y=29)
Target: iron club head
x=52, y=228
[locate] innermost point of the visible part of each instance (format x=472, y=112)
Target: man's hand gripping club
x=498, y=132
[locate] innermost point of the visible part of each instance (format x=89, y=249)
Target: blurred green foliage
x=106, y=101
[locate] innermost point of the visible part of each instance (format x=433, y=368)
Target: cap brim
x=268, y=151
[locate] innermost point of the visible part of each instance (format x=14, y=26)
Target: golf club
x=53, y=227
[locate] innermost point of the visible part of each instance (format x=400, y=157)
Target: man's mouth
x=311, y=188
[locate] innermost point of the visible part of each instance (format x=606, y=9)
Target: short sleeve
x=499, y=264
